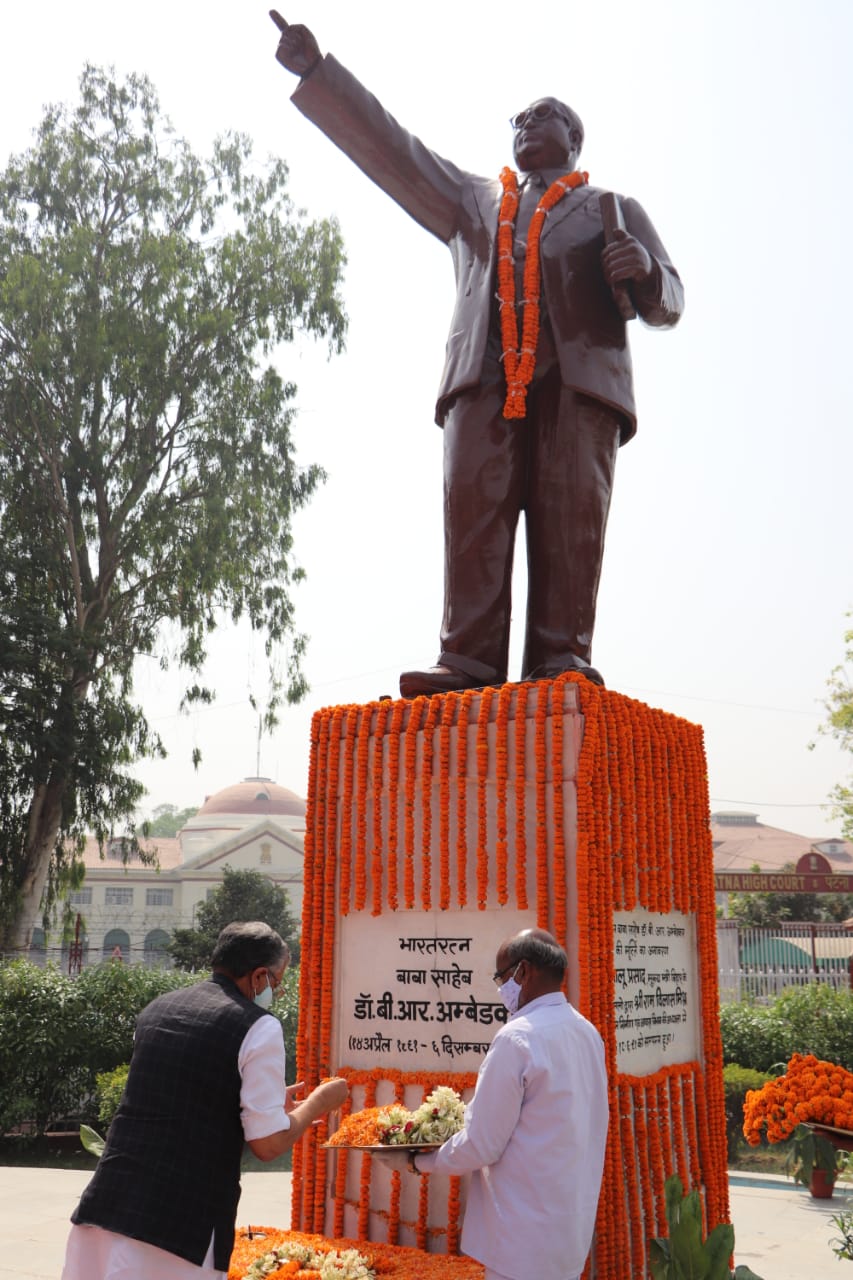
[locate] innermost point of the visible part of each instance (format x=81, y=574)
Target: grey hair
x=541, y=950
x=245, y=945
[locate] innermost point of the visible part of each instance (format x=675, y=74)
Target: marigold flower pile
x=810, y=1092
x=360, y=1128
x=269, y=1254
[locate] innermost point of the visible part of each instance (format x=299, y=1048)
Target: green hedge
x=809, y=1019
x=737, y=1082
x=58, y=1033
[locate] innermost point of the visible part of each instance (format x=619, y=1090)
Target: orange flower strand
x=521, y=796
x=501, y=779
x=486, y=697
x=519, y=360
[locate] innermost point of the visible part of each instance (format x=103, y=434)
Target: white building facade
x=130, y=909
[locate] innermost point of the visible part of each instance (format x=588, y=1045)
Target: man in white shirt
x=207, y=1073
x=536, y=1128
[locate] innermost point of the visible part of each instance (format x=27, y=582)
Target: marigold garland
x=410, y=782
x=519, y=724
x=361, y=810
x=432, y=718
x=462, y=797
x=376, y=868
x=482, y=811
x=519, y=359
x=501, y=777
x=543, y=897
x=347, y=800
x=558, y=830
x=448, y=711
x=393, y=792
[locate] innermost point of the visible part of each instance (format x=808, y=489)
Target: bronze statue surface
x=536, y=395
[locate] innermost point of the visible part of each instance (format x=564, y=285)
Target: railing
x=759, y=963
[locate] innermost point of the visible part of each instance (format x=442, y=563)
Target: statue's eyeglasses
x=542, y=111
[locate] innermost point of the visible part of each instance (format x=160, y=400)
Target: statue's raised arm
x=297, y=50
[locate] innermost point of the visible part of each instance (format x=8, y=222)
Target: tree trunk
x=43, y=827
x=45, y=818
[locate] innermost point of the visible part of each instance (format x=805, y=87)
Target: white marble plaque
x=416, y=988
x=656, y=990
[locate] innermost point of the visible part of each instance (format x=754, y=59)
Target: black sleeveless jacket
x=170, y=1173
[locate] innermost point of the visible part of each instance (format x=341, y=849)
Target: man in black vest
x=207, y=1073
x=540, y=439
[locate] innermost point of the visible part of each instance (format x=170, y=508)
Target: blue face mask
x=510, y=992
x=264, y=998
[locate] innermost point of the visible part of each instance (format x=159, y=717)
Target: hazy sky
x=727, y=575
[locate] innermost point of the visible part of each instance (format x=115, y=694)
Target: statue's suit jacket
x=462, y=210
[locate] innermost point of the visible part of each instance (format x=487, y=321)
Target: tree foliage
x=243, y=895
x=147, y=471
x=839, y=725
x=168, y=820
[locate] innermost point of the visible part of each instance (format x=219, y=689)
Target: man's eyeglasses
x=275, y=983
x=498, y=975
x=542, y=111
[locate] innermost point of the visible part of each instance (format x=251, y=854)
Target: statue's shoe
x=439, y=679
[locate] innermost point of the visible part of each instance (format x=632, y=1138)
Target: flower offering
x=811, y=1092
x=269, y=1254
x=439, y=1116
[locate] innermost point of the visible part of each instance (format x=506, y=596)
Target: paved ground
x=780, y=1231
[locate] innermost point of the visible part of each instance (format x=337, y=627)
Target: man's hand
x=290, y=1099
x=330, y=1094
x=625, y=259
x=297, y=50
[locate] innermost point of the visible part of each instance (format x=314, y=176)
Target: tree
x=168, y=820
x=147, y=471
x=243, y=895
x=839, y=725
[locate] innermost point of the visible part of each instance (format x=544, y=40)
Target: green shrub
x=809, y=1019
x=110, y=1087
x=736, y=1082
x=747, y=1036
x=58, y=1034
x=286, y=1009
x=684, y=1254
x=43, y=1073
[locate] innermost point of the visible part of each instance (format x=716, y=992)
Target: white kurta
x=533, y=1140
x=95, y=1254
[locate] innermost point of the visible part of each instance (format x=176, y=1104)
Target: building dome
x=254, y=797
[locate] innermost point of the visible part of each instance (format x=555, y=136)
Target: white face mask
x=264, y=998
x=510, y=992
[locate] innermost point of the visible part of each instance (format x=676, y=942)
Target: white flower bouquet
x=348, y=1264
x=438, y=1117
